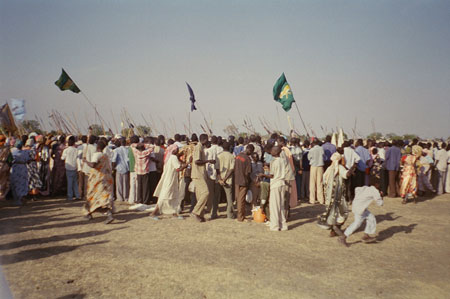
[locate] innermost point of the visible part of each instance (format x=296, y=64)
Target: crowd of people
x=249, y=174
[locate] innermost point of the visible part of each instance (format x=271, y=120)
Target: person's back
x=70, y=155
x=364, y=196
x=364, y=155
x=350, y=156
x=316, y=156
x=393, y=156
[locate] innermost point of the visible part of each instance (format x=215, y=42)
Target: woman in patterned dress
x=376, y=168
x=19, y=173
x=34, y=181
x=100, y=184
x=408, y=181
x=43, y=163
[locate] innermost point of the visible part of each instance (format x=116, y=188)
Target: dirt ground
x=49, y=251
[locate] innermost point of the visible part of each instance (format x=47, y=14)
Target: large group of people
x=248, y=174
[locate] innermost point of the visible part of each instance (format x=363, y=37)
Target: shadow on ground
x=39, y=253
x=391, y=231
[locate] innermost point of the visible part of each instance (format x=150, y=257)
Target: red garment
x=142, y=159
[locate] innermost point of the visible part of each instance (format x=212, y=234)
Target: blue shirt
x=329, y=150
x=120, y=157
x=316, y=156
x=238, y=149
x=392, y=159
x=364, y=154
x=268, y=158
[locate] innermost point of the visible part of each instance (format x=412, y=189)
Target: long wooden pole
x=301, y=118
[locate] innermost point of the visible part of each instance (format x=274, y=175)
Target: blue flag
x=18, y=108
x=192, y=97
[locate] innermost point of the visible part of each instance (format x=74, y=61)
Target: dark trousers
x=144, y=195
x=384, y=181
x=360, y=177
x=82, y=185
x=392, y=183
x=241, y=192
x=298, y=183
x=350, y=191
x=154, y=178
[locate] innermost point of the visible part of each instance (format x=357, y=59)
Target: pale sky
x=386, y=61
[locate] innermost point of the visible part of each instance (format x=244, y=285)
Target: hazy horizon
x=385, y=63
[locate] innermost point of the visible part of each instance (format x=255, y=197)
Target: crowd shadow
x=124, y=216
x=56, y=238
x=40, y=253
x=19, y=225
x=308, y=214
x=425, y=198
x=386, y=217
x=72, y=296
x=391, y=231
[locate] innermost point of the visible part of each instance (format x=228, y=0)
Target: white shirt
x=351, y=157
x=80, y=149
x=70, y=155
x=278, y=168
x=90, y=149
x=382, y=153
x=441, y=160
x=364, y=197
x=211, y=154
x=96, y=156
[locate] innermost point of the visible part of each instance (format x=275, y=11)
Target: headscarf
x=417, y=151
x=2, y=140
x=19, y=144
x=333, y=169
x=169, y=151
x=30, y=142
x=335, y=161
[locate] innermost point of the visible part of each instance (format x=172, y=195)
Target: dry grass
x=49, y=251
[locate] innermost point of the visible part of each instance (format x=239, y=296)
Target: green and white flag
x=66, y=83
x=282, y=93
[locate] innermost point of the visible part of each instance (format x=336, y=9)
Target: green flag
x=282, y=93
x=65, y=83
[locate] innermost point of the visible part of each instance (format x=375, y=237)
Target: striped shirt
x=142, y=159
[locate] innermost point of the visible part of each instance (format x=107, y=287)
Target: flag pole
x=304, y=126
x=100, y=118
x=189, y=123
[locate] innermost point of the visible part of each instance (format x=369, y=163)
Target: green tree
x=144, y=130
x=393, y=136
x=231, y=130
x=127, y=132
x=96, y=130
x=32, y=126
x=375, y=135
x=409, y=136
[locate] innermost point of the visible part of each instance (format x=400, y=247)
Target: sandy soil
x=49, y=251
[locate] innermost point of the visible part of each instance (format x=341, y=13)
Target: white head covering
x=334, y=168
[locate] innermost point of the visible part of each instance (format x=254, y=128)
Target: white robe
x=167, y=189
